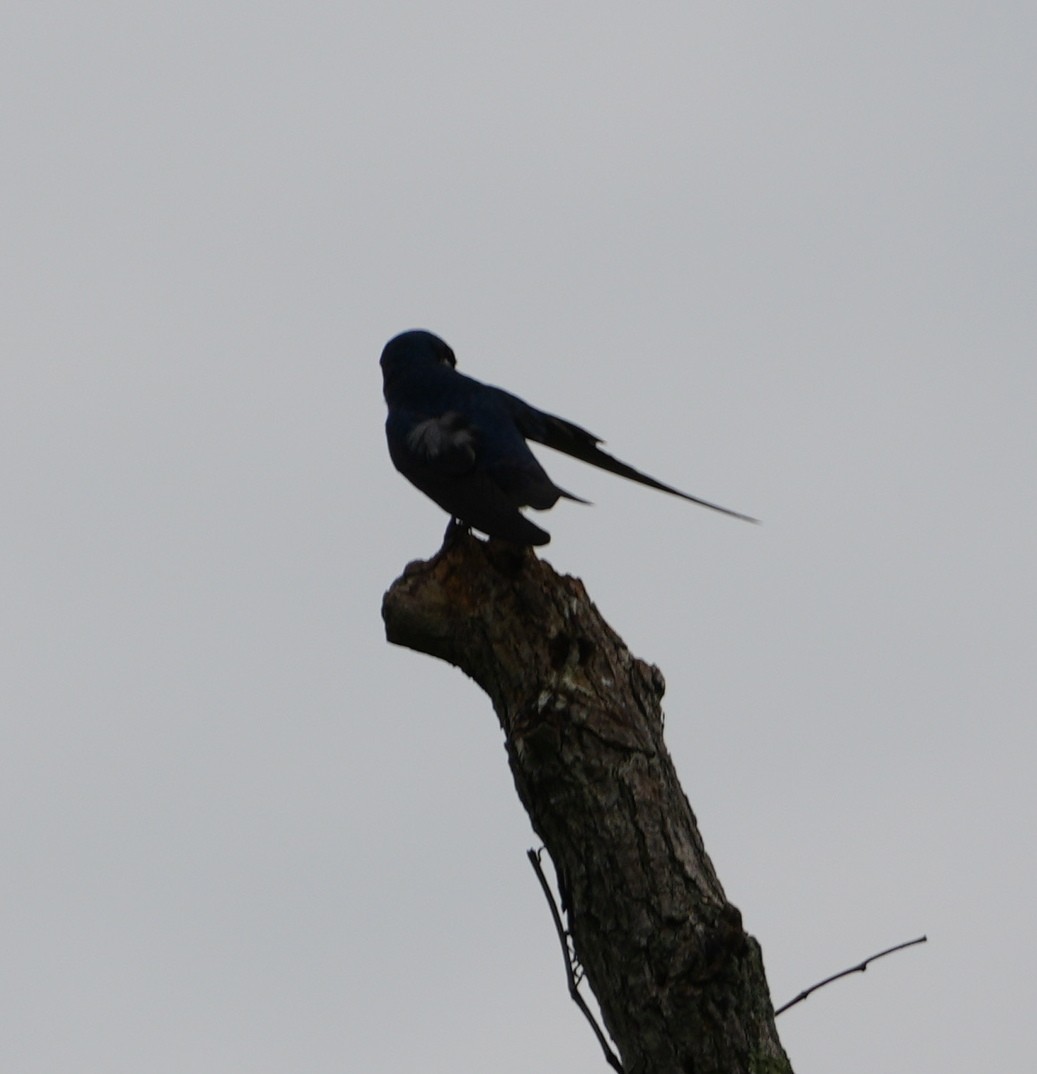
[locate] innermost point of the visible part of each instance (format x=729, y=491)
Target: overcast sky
x=782, y=256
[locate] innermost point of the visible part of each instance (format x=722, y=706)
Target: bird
x=464, y=443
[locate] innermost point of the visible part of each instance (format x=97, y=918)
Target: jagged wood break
x=681, y=986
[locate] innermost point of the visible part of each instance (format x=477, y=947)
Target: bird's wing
x=477, y=501
x=440, y=457
x=562, y=435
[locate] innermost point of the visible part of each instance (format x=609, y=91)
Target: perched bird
x=463, y=443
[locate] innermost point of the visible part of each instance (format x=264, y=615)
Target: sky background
x=782, y=256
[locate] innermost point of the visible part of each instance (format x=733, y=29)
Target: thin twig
x=859, y=968
x=610, y=1055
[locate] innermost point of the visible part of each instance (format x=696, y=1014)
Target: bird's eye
x=446, y=357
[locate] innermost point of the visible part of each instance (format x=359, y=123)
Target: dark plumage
x=463, y=443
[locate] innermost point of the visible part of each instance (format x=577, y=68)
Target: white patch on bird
x=436, y=436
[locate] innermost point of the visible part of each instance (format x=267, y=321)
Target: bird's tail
x=564, y=436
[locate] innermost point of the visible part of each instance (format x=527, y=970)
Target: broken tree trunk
x=680, y=985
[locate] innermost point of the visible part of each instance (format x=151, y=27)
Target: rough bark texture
x=681, y=986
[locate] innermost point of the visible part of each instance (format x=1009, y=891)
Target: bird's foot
x=455, y=530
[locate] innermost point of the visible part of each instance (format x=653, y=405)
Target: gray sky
x=783, y=256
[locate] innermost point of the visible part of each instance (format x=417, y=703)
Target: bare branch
x=859, y=968
x=574, y=985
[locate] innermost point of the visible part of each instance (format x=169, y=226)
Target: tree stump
x=680, y=984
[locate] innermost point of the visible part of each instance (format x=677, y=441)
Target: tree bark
x=680, y=985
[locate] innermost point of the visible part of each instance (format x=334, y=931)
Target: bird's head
x=412, y=351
